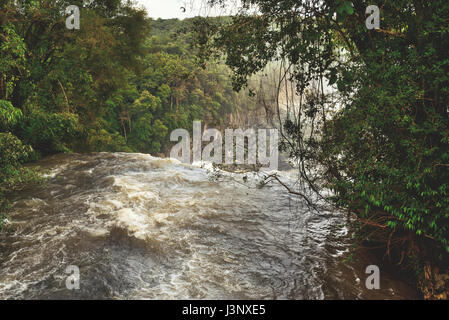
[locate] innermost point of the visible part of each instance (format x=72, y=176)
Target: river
x=140, y=227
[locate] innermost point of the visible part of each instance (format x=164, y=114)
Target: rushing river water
x=140, y=227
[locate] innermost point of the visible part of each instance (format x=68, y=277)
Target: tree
x=384, y=150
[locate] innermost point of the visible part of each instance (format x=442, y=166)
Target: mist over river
x=140, y=227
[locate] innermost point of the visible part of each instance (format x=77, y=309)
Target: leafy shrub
x=13, y=177
x=49, y=132
x=9, y=116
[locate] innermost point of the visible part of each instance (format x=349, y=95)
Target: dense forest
x=122, y=82
x=381, y=136
x=379, y=140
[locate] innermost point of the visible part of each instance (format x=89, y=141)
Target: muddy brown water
x=140, y=227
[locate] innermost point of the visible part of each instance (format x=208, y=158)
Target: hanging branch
x=275, y=177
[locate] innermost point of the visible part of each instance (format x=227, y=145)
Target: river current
x=141, y=227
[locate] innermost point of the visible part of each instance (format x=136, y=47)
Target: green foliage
x=122, y=82
x=174, y=90
x=12, y=58
x=55, y=83
x=12, y=152
x=101, y=140
x=9, y=116
x=13, y=176
x=385, y=150
x=49, y=133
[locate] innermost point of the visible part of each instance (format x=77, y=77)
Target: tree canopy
x=121, y=82
x=381, y=136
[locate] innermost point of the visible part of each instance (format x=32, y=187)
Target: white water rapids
x=140, y=227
